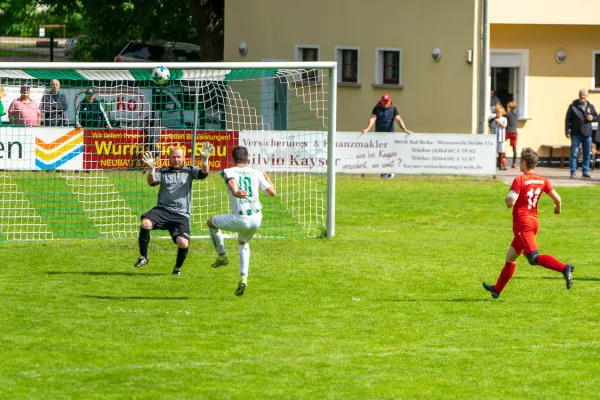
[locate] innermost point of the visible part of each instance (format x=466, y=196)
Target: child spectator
x=498, y=127
x=511, y=129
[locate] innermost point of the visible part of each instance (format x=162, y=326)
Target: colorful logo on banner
x=52, y=155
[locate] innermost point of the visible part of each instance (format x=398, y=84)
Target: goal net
x=76, y=171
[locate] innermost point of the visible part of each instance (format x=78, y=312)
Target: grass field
x=392, y=307
x=21, y=53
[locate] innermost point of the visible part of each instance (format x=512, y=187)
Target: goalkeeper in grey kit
x=172, y=211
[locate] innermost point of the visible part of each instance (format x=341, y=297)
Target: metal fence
x=13, y=49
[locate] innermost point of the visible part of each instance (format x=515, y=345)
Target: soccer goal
x=77, y=171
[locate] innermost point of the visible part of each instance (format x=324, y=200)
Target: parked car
x=137, y=51
x=71, y=45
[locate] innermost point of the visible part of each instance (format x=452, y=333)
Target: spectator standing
x=172, y=211
x=383, y=116
x=24, y=110
x=523, y=197
x=54, y=105
x=578, y=127
x=2, y=94
x=512, y=120
x=90, y=113
x=498, y=126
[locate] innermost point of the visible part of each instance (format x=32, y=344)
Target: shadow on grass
x=103, y=273
x=437, y=300
x=560, y=278
x=133, y=297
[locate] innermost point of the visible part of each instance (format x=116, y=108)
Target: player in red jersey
x=523, y=196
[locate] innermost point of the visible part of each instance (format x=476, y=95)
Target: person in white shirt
x=498, y=127
x=243, y=184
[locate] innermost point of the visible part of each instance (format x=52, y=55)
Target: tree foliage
x=23, y=17
x=110, y=24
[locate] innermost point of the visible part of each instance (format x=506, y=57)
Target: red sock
x=505, y=275
x=552, y=263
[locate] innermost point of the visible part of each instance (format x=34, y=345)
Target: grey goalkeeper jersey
x=175, y=193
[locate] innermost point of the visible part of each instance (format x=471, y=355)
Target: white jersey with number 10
x=249, y=180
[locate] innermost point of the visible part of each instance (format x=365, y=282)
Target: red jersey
x=529, y=187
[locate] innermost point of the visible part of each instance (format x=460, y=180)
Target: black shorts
x=176, y=224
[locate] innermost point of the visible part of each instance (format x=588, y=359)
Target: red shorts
x=513, y=138
x=524, y=242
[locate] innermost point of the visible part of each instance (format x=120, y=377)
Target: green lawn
x=21, y=53
x=391, y=307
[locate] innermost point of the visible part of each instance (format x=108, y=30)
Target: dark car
x=136, y=51
x=71, y=45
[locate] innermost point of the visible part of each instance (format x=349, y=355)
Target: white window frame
x=593, y=85
x=298, y=55
x=379, y=66
x=338, y=58
x=522, y=57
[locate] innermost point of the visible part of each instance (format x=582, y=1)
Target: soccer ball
x=160, y=75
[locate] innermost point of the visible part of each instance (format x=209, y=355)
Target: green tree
x=23, y=18
x=109, y=24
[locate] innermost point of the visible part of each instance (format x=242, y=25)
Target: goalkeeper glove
x=206, y=152
x=149, y=160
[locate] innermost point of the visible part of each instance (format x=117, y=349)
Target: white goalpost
x=60, y=180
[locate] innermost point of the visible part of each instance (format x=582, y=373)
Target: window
x=596, y=71
x=389, y=66
x=347, y=59
x=308, y=53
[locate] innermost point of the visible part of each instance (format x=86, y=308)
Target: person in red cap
x=383, y=116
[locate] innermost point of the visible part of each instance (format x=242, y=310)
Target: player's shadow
x=89, y=296
x=436, y=300
x=560, y=278
x=104, y=273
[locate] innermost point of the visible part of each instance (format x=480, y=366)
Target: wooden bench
x=564, y=149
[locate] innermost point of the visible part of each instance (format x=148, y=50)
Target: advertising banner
x=373, y=152
x=36, y=148
x=64, y=148
x=123, y=148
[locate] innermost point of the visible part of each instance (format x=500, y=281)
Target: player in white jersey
x=243, y=184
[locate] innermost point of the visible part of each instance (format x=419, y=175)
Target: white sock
x=217, y=241
x=244, y=259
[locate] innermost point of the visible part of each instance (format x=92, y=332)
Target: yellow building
x=428, y=55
